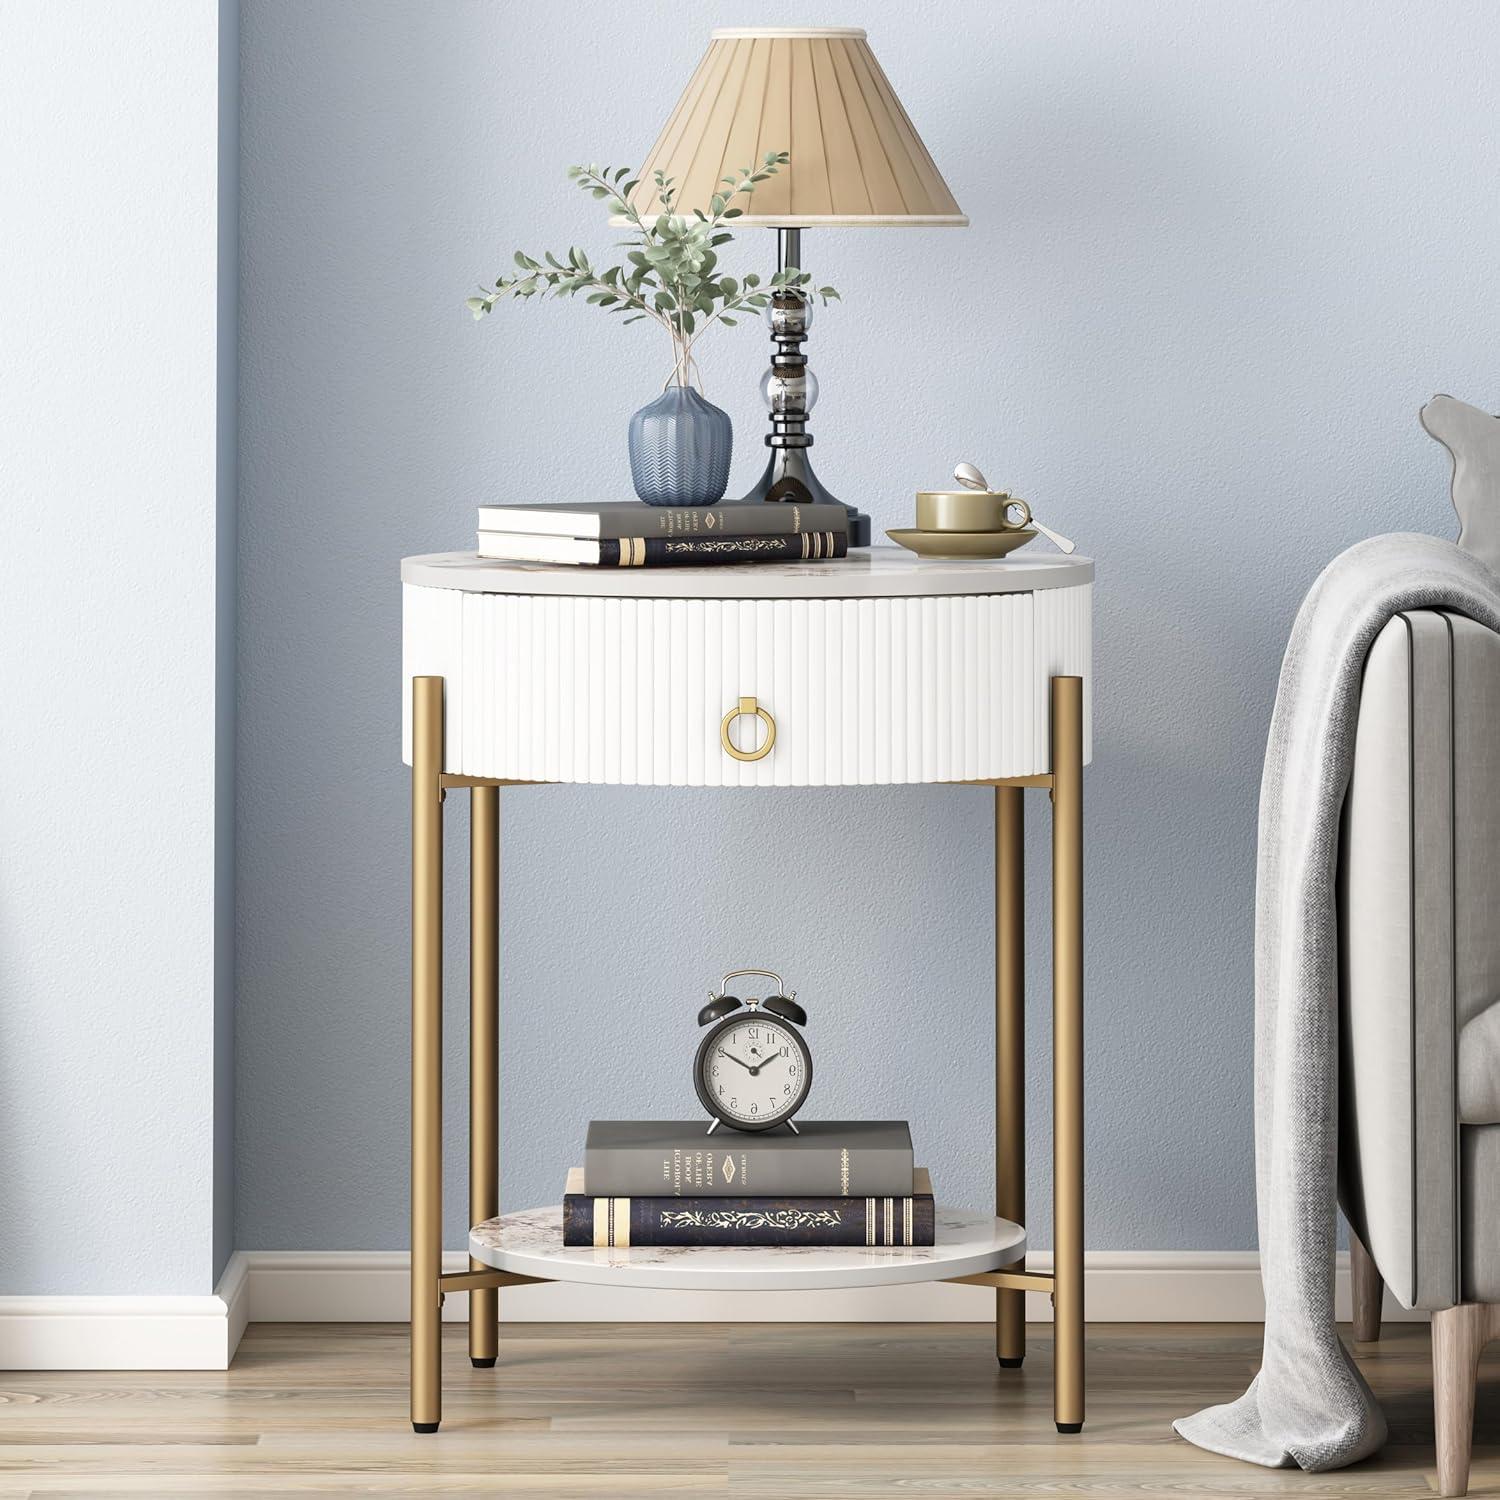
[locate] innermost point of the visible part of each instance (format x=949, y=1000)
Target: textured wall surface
x=1219, y=257
x=109, y=527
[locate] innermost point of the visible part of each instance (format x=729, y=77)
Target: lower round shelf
x=530, y=1244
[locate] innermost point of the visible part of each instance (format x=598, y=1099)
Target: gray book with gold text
x=673, y=1158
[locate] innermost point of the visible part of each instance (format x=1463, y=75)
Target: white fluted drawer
x=633, y=691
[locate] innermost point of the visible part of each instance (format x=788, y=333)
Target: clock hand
x=741, y=1062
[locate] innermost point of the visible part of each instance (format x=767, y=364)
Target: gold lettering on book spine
x=744, y=1218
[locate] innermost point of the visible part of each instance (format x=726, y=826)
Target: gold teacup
x=971, y=510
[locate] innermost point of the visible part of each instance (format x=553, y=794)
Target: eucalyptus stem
x=671, y=273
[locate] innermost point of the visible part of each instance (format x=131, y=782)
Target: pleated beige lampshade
x=818, y=93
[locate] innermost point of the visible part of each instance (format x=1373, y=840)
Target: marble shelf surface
x=529, y=1243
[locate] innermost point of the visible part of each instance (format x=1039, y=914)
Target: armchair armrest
x=1398, y=951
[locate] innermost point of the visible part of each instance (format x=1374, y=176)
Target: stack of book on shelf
x=664, y=1182
x=628, y=534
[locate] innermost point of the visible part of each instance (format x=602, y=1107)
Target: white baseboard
x=1172, y=1286
x=369, y=1286
x=127, y=1333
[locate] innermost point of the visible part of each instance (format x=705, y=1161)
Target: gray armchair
x=1419, y=932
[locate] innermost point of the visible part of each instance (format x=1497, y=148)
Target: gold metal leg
x=426, y=1052
x=1067, y=1051
x=484, y=1053
x=1010, y=1054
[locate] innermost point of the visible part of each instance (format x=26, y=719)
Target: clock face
x=753, y=1071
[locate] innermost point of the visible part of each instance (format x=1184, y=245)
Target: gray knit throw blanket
x=1309, y=1405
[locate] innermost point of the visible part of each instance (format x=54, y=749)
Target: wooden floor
x=676, y=1410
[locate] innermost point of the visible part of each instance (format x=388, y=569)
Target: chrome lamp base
x=789, y=476
x=790, y=390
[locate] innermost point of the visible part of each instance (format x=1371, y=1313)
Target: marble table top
x=872, y=573
x=529, y=1243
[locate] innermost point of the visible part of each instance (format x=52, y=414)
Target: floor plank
x=761, y=1411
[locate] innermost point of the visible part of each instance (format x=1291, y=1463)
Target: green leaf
x=752, y=279
x=729, y=322
x=728, y=287
x=687, y=321
x=733, y=213
x=721, y=239
x=665, y=301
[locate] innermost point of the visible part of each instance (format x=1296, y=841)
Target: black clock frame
x=739, y=1017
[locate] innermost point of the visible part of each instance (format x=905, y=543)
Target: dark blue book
x=662, y=551
x=614, y=1223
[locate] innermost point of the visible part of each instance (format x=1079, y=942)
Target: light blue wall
x=1219, y=256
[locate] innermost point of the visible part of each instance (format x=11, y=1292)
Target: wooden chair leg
x=1367, y=1288
x=1458, y=1335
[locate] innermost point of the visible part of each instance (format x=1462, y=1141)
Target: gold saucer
x=960, y=543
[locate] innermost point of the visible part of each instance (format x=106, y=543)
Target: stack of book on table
x=665, y=1182
x=628, y=534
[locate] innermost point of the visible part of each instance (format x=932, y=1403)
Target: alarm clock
x=753, y=1069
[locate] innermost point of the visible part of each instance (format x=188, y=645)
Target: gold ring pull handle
x=749, y=708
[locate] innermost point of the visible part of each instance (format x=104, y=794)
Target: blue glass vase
x=680, y=446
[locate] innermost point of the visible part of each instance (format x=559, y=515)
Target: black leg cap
x=1070, y=1427
x=424, y=1426
x=1010, y=1364
x=482, y=1364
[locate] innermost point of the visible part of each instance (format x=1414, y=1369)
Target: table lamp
x=856, y=161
